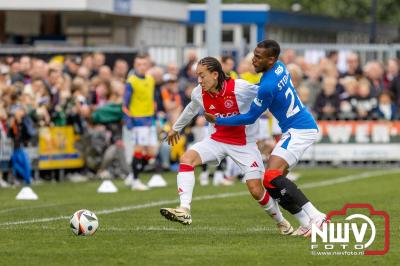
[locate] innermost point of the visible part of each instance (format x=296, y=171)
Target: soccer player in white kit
x=224, y=97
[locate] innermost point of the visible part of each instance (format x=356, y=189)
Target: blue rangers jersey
x=276, y=93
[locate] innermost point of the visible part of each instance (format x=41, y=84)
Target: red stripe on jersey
x=224, y=104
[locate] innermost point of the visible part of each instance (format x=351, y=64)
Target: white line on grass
x=189, y=229
x=349, y=178
x=162, y=228
x=29, y=207
x=333, y=181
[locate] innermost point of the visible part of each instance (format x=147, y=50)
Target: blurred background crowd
x=76, y=90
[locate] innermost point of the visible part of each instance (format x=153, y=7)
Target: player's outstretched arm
x=243, y=119
x=259, y=105
x=190, y=111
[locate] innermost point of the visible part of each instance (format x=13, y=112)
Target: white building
x=94, y=22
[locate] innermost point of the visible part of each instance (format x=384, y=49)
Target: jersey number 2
x=292, y=108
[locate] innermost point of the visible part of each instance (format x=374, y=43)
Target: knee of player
x=187, y=159
x=257, y=192
x=255, y=188
x=139, y=148
x=270, y=175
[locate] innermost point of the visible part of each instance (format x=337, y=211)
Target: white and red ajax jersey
x=234, y=98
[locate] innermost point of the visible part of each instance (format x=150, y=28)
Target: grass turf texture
x=225, y=231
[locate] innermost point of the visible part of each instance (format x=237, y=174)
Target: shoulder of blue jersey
x=279, y=70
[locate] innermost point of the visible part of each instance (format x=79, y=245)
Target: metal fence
x=367, y=52
x=164, y=54
x=312, y=52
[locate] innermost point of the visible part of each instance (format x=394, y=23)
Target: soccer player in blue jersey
x=277, y=94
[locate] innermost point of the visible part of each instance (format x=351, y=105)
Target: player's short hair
x=225, y=58
x=272, y=46
x=212, y=64
x=142, y=56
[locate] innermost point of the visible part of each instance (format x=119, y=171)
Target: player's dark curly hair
x=212, y=64
x=272, y=46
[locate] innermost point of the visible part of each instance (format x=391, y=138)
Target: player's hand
x=210, y=117
x=125, y=110
x=172, y=137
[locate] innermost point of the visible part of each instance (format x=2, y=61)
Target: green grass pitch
x=228, y=226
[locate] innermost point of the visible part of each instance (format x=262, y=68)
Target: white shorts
x=293, y=144
x=247, y=157
x=144, y=135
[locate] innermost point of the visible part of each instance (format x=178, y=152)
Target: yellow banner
x=56, y=149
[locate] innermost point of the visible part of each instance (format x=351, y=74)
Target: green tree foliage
x=387, y=10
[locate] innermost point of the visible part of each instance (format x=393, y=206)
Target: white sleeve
x=245, y=89
x=190, y=111
x=245, y=93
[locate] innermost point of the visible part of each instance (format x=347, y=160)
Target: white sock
x=302, y=217
x=271, y=207
x=185, y=181
x=218, y=177
x=311, y=210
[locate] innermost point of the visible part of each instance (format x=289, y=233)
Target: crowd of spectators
x=67, y=90
x=363, y=92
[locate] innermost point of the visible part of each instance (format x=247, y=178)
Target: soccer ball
x=84, y=223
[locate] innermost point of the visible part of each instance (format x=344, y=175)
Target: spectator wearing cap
x=71, y=65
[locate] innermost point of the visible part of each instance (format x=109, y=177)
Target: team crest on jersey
x=279, y=70
x=228, y=104
x=258, y=102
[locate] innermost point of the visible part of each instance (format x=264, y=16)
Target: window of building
x=190, y=34
x=227, y=36
x=246, y=33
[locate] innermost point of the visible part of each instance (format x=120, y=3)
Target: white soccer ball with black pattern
x=84, y=223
